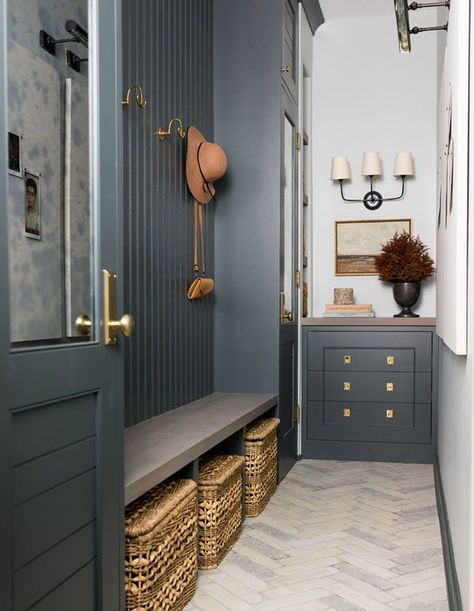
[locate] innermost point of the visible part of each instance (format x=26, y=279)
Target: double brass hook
x=162, y=133
x=139, y=97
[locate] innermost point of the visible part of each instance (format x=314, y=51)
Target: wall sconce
x=403, y=22
x=371, y=167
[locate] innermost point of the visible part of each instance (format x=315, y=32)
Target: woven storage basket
x=220, y=507
x=161, y=548
x=261, y=449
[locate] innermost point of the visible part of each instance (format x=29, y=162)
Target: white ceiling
x=348, y=9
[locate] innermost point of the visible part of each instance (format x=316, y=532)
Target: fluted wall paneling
x=169, y=360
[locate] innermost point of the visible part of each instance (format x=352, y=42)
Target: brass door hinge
x=298, y=141
x=298, y=278
x=297, y=413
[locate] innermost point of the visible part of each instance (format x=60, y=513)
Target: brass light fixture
x=403, y=22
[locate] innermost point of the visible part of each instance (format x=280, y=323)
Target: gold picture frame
x=355, y=244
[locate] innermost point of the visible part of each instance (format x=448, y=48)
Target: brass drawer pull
x=390, y=360
x=389, y=386
x=347, y=385
x=347, y=359
x=347, y=412
x=389, y=413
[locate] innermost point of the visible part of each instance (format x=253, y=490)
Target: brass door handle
x=284, y=315
x=288, y=316
x=113, y=326
x=83, y=325
x=125, y=325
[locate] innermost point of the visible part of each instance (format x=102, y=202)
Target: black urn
x=406, y=294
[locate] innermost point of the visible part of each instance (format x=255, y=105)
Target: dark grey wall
x=169, y=360
x=247, y=91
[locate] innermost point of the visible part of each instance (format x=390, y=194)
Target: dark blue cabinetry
x=369, y=393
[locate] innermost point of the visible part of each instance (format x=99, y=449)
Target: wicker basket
x=261, y=449
x=220, y=507
x=161, y=548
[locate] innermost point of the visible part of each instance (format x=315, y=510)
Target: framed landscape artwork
x=359, y=242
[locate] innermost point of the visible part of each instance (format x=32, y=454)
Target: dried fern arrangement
x=404, y=259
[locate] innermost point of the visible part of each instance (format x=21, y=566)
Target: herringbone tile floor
x=336, y=536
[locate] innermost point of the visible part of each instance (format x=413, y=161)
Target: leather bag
x=201, y=285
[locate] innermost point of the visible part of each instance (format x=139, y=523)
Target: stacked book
x=353, y=310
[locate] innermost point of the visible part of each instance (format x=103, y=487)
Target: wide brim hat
x=206, y=162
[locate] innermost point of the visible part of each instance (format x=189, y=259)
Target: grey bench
x=172, y=443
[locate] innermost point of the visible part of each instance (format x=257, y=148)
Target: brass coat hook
x=139, y=97
x=162, y=134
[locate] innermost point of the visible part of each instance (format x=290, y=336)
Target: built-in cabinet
x=370, y=393
x=256, y=213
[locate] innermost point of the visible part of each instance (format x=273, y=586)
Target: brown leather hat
x=206, y=162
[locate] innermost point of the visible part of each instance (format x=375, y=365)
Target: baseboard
x=454, y=593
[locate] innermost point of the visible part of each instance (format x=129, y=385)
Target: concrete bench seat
x=161, y=446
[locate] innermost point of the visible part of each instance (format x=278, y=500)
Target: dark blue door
x=61, y=408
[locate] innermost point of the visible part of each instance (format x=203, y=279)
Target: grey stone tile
x=370, y=537
x=264, y=548
x=336, y=602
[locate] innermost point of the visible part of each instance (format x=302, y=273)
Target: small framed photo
x=14, y=155
x=32, y=205
x=359, y=242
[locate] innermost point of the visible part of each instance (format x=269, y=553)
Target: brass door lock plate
x=112, y=326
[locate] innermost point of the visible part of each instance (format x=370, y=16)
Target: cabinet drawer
x=411, y=423
x=403, y=344
x=381, y=414
x=369, y=359
x=369, y=386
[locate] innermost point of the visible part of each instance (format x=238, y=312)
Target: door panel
x=288, y=295
x=289, y=47
x=61, y=411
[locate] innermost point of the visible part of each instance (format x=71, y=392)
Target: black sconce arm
x=373, y=199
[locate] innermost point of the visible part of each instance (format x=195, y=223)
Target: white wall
x=368, y=96
x=456, y=403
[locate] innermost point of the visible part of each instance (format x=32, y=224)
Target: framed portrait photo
x=357, y=243
x=32, y=205
x=14, y=155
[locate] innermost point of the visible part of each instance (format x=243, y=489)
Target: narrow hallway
x=336, y=535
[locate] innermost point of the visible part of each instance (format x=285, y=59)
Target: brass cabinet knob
x=285, y=68
x=390, y=360
x=346, y=412
x=389, y=413
x=83, y=324
x=125, y=325
x=288, y=316
x=347, y=386
x=347, y=359
x=389, y=386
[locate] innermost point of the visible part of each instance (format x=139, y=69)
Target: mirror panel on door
x=49, y=202
x=288, y=289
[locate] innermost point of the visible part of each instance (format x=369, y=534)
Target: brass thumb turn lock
x=112, y=326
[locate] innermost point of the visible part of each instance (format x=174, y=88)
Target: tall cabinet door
x=61, y=475
x=289, y=66
x=288, y=290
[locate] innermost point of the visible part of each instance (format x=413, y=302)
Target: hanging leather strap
x=198, y=223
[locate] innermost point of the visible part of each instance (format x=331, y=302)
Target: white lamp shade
x=371, y=165
x=404, y=165
x=340, y=169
